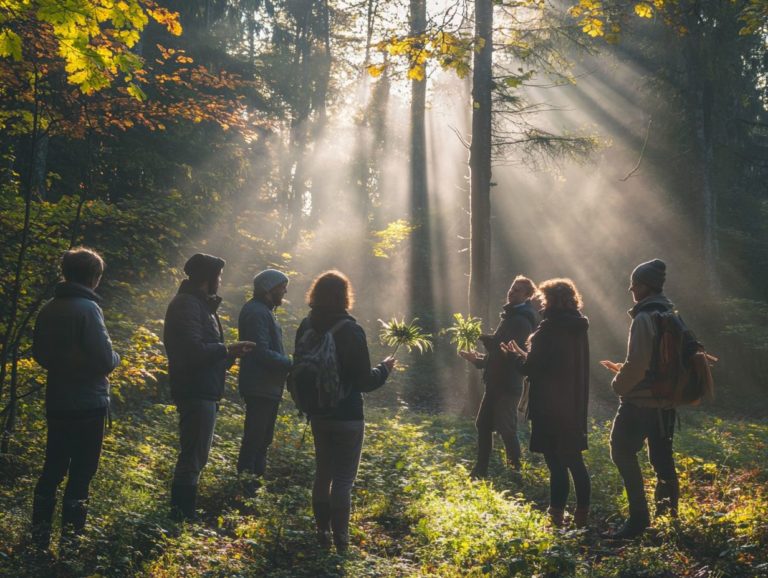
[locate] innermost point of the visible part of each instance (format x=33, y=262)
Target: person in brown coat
x=557, y=365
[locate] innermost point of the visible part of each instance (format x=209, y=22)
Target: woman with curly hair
x=338, y=434
x=557, y=365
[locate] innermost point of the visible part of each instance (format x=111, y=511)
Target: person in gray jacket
x=641, y=416
x=262, y=371
x=198, y=360
x=71, y=342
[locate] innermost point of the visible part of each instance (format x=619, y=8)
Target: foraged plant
x=465, y=331
x=395, y=333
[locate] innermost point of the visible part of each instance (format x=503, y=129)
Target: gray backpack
x=314, y=382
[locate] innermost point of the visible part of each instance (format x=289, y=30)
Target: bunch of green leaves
x=396, y=333
x=465, y=331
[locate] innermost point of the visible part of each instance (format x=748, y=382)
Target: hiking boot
x=73, y=516
x=666, y=496
x=580, y=516
x=322, y=512
x=340, y=528
x=183, y=501
x=478, y=473
x=42, y=517
x=632, y=528
x=556, y=516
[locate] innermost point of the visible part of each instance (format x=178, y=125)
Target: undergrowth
x=416, y=513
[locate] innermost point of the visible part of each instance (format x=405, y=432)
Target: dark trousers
x=258, y=432
x=338, y=445
x=498, y=412
x=631, y=427
x=73, y=449
x=559, y=466
x=197, y=419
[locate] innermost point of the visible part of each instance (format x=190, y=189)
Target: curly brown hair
x=331, y=290
x=560, y=294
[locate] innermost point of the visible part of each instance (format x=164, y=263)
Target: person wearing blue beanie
x=263, y=371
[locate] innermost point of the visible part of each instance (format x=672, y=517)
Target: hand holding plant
x=464, y=334
x=395, y=333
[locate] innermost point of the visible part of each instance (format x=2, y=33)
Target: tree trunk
x=480, y=171
x=699, y=98
x=421, y=298
x=39, y=167
x=424, y=394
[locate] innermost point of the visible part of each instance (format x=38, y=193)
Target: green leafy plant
x=395, y=333
x=465, y=331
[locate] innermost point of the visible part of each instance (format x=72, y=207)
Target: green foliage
x=94, y=38
x=465, y=331
x=391, y=237
x=396, y=333
x=451, y=51
x=749, y=321
x=415, y=512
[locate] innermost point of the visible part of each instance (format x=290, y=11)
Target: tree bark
x=480, y=174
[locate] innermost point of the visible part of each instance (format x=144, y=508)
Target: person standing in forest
x=338, y=433
x=198, y=360
x=71, y=342
x=503, y=381
x=641, y=416
x=557, y=365
x=263, y=370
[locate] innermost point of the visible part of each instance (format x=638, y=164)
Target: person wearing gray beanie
x=641, y=417
x=268, y=280
x=262, y=372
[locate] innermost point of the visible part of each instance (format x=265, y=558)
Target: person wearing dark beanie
x=640, y=415
x=651, y=273
x=198, y=360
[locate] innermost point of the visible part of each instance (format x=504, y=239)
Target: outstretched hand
x=240, y=348
x=390, y=363
x=611, y=366
x=512, y=348
x=471, y=356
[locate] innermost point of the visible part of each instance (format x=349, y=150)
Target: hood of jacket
x=69, y=289
x=211, y=301
x=657, y=302
x=525, y=309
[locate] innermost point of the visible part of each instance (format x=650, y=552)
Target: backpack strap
x=338, y=325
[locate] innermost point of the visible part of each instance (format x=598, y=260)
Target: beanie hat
x=202, y=267
x=652, y=273
x=268, y=280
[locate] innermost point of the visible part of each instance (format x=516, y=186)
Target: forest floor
x=415, y=511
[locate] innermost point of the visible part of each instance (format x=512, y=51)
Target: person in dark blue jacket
x=71, y=342
x=198, y=360
x=263, y=370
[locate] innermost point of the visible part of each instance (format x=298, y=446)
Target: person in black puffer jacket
x=503, y=381
x=71, y=342
x=197, y=363
x=338, y=436
x=557, y=364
